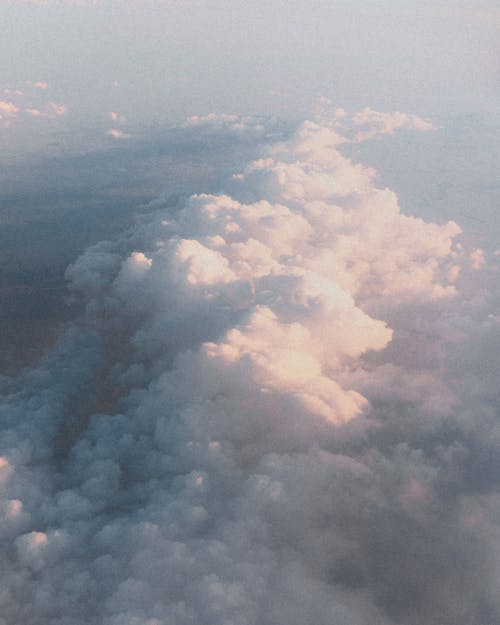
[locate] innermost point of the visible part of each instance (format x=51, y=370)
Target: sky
x=249, y=312
x=162, y=61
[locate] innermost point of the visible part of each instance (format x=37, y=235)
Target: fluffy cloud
x=274, y=411
x=8, y=112
x=367, y=124
x=29, y=103
x=373, y=123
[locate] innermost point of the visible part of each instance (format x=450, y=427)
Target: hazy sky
x=170, y=59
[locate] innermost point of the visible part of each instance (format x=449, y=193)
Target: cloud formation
x=116, y=133
x=274, y=412
x=373, y=123
x=368, y=124
x=8, y=112
x=39, y=84
x=29, y=103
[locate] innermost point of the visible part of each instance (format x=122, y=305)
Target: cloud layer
x=280, y=408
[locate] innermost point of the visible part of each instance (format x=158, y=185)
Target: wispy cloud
x=57, y=109
x=34, y=112
x=39, y=84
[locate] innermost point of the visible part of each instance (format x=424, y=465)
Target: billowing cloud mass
x=280, y=408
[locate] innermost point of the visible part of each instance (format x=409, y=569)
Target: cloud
x=57, y=109
x=8, y=111
x=14, y=92
x=116, y=133
x=50, y=111
x=28, y=103
x=34, y=112
x=39, y=84
x=279, y=408
x=368, y=124
x=214, y=122
x=116, y=117
x=374, y=123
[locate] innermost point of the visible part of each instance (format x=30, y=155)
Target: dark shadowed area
x=53, y=207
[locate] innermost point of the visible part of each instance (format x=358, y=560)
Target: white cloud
x=270, y=414
x=374, y=123
x=367, y=124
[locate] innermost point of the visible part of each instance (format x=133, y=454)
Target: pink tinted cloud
x=116, y=133
x=39, y=84
x=34, y=112
x=374, y=123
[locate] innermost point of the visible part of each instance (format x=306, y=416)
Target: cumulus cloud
x=29, y=103
x=368, y=124
x=373, y=123
x=8, y=111
x=274, y=412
